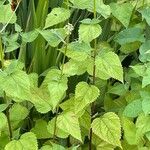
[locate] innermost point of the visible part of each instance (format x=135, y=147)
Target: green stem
x=63, y=62
x=64, y=57
x=55, y=123
x=1, y=53
x=94, y=76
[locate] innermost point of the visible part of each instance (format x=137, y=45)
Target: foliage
x=75, y=74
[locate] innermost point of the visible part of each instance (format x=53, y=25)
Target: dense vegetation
x=75, y=74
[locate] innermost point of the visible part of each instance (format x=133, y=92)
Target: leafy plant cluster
x=75, y=74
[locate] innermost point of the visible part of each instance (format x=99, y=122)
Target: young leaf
x=108, y=128
x=40, y=129
x=18, y=113
x=57, y=86
x=16, y=85
x=29, y=36
x=58, y=132
x=101, y=144
x=101, y=8
x=84, y=95
x=41, y=100
x=78, y=51
x=88, y=32
x=107, y=65
x=133, y=109
x=68, y=122
x=143, y=124
x=27, y=141
x=122, y=12
x=139, y=69
x=57, y=15
x=53, y=36
x=52, y=146
x=129, y=129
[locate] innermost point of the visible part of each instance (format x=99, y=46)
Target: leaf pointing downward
x=108, y=128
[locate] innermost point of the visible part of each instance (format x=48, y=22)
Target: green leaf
x=73, y=67
x=88, y=32
x=145, y=52
x=18, y=28
x=16, y=85
x=18, y=113
x=78, y=51
x=12, y=46
x=53, y=36
x=52, y=146
x=126, y=146
x=14, y=65
x=7, y=15
x=58, y=132
x=139, y=69
x=118, y=89
x=133, y=109
x=68, y=122
x=41, y=100
x=3, y=107
x=33, y=77
x=108, y=128
x=57, y=86
x=122, y=12
x=84, y=4
x=130, y=47
x=27, y=141
x=145, y=102
x=146, y=77
x=40, y=129
x=130, y=35
x=146, y=106
x=146, y=14
x=29, y=36
x=3, y=122
x=57, y=15
x=108, y=66
x=101, y=144
x=101, y=8
x=129, y=129
x=84, y=95
x=90, y=21
x=4, y=139
x=143, y=124
x=85, y=121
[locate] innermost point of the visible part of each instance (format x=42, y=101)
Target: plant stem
x=55, y=123
x=94, y=76
x=63, y=62
x=5, y=97
x=1, y=53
